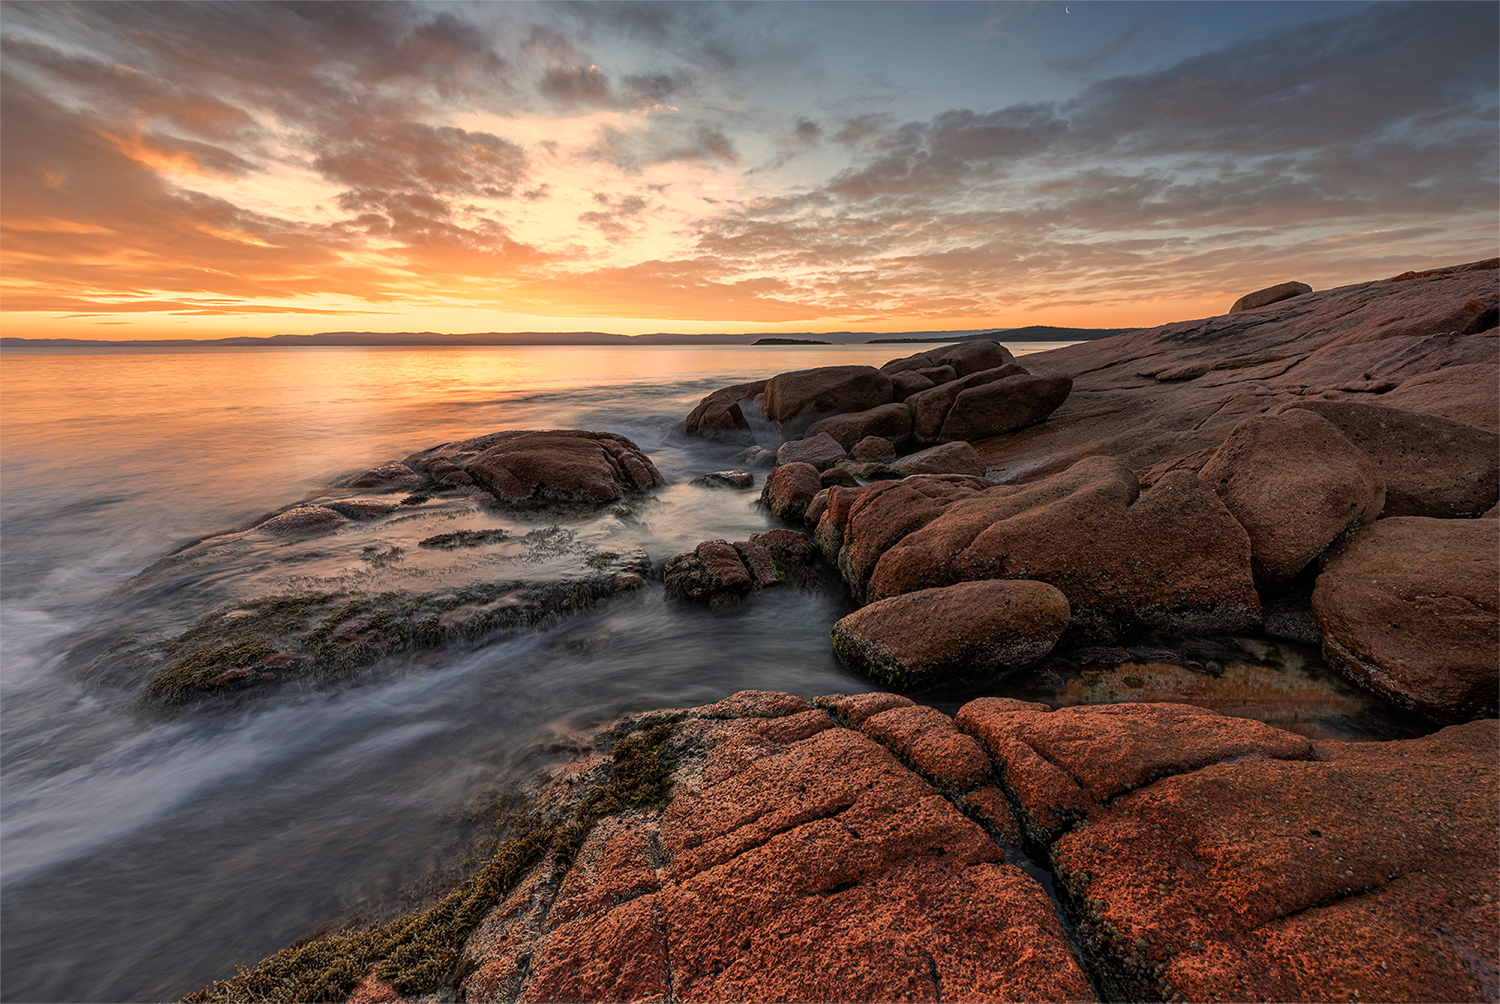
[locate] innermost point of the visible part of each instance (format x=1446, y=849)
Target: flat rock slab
x=1410, y=608
x=1165, y=397
x=1223, y=860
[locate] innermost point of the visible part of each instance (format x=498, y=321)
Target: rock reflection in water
x=1280, y=683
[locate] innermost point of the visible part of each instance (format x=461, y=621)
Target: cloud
x=440, y=159
x=577, y=85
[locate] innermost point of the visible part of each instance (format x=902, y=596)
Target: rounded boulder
x=952, y=633
x=1295, y=483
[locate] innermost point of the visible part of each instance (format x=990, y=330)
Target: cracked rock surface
x=866, y=848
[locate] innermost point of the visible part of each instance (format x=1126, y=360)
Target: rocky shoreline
x=1320, y=468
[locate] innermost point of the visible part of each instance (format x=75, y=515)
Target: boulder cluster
x=966, y=391
x=1186, y=486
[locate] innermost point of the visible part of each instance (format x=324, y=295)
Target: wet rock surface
x=565, y=465
x=718, y=573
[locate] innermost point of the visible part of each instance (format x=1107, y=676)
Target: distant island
x=1034, y=333
x=790, y=341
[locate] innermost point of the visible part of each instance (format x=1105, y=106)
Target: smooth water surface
x=143, y=857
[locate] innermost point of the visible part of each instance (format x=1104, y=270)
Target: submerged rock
x=726, y=479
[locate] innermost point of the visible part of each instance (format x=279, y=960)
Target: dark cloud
x=414, y=155
x=577, y=85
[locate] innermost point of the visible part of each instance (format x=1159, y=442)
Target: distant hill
x=1031, y=333
x=1039, y=332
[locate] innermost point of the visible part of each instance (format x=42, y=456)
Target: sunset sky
x=200, y=170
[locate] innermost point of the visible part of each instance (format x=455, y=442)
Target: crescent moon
x=1066, y=11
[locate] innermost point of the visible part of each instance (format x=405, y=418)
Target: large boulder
x=956, y=633
x=1171, y=558
x=1269, y=295
x=559, y=465
x=1213, y=858
x=887, y=421
x=869, y=521
x=797, y=399
x=719, y=416
x=1295, y=483
x=788, y=490
x=1431, y=466
x=965, y=358
x=1004, y=405
x=929, y=408
x=1408, y=609
x=820, y=449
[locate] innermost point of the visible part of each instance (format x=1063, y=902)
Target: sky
x=184, y=170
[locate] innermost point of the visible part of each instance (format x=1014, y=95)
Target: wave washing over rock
x=1315, y=466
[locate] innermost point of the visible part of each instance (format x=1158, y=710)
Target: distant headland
x=1034, y=333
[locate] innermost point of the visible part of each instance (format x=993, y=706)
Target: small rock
x=302, y=521
x=1269, y=295
x=726, y=479
x=873, y=449
x=839, y=476
x=945, y=635
x=821, y=450
x=757, y=456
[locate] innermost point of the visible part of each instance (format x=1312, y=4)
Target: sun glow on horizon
x=711, y=169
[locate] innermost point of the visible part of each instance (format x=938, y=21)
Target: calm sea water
x=140, y=859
